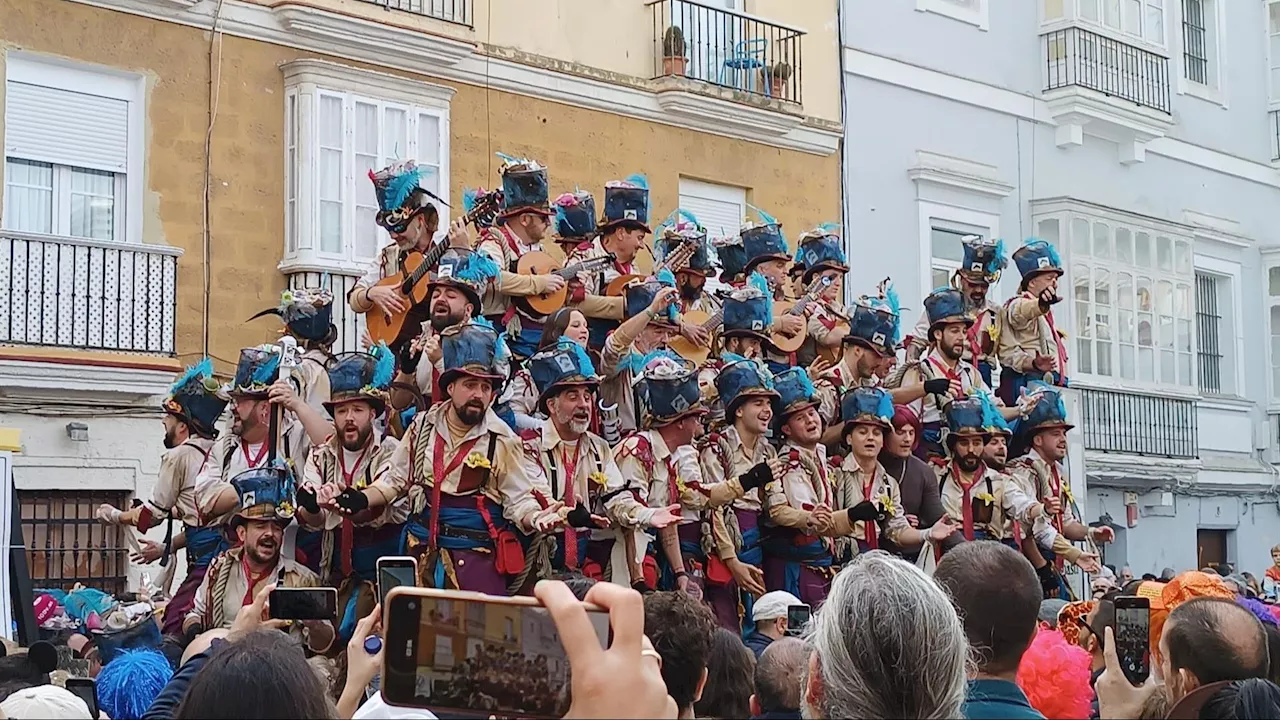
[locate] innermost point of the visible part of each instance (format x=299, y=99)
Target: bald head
x=1214, y=640
x=780, y=675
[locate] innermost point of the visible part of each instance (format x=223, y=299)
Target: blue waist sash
x=984, y=535
x=776, y=367
x=204, y=544
x=752, y=552
x=468, y=522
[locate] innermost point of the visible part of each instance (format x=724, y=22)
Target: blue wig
x=131, y=682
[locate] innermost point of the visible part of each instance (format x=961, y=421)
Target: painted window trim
x=934, y=214
x=102, y=81
x=979, y=17
x=1215, y=92
x=1232, y=272
x=1073, y=18
x=1270, y=261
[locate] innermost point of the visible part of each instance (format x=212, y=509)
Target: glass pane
x=1164, y=297
x=941, y=277
x=1101, y=240
x=1080, y=236
x=330, y=121
x=331, y=175
x=1142, y=250
x=1155, y=24
x=1110, y=13
x=1166, y=367
x=365, y=194
x=1124, y=290
x=1182, y=257
x=428, y=139
x=1080, y=274
x=1133, y=17
x=93, y=204
x=1184, y=368
x=1083, y=327
x=1102, y=286
x=367, y=232
x=1124, y=245
x=366, y=129
x=1048, y=230
x=1184, y=335
x=28, y=196
x=1144, y=294
x=1146, y=365
x=1052, y=9
x=1085, y=349
x=1124, y=319
x=1166, y=331
x=1089, y=9
x=330, y=226
x=1182, y=301
x=1273, y=282
x=395, y=134
x=946, y=245
x=1102, y=321
x=1275, y=381
x=1127, y=362
x=1274, y=14
x=1104, y=358
x=1164, y=253
x=1144, y=329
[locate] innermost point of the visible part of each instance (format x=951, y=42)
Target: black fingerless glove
x=865, y=510
x=352, y=500
x=1048, y=298
x=937, y=386
x=579, y=517
x=755, y=478
x=1048, y=580
x=307, y=500
x=408, y=358
x=641, y=587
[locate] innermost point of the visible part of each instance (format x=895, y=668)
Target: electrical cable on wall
x=215, y=82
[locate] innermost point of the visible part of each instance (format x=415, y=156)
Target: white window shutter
x=66, y=128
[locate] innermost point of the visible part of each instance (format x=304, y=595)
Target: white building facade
x=1140, y=137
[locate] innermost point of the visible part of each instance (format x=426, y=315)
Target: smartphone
x=465, y=653
x=797, y=618
x=1133, y=639
x=394, y=572
x=86, y=690
x=304, y=604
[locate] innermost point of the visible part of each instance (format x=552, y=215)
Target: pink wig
x=903, y=415
x=1055, y=676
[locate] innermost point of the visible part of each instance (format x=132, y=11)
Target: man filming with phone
x=266, y=508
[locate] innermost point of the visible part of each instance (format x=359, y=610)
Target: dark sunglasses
x=400, y=227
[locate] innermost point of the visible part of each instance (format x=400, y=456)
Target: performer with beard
x=872, y=340
x=820, y=254
x=565, y=324
x=1029, y=344
x=748, y=313
x=980, y=268
x=767, y=254
x=680, y=228
x=191, y=411
x=651, y=321
x=1038, y=473
x=265, y=497
x=800, y=522
x=351, y=546
x=480, y=489
x=307, y=316
x=622, y=227
x=588, y=483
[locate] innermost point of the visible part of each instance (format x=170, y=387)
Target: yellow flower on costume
x=987, y=498
x=476, y=460
x=1066, y=490
x=285, y=509
x=597, y=478
x=886, y=504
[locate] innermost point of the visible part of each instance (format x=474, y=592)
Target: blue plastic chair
x=748, y=56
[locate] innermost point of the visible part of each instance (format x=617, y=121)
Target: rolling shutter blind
x=66, y=128
x=719, y=208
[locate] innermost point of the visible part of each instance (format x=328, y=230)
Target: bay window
x=1139, y=19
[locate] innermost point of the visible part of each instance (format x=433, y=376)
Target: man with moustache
x=768, y=255
x=868, y=502
x=800, y=502
x=265, y=497
x=191, y=411
x=307, y=314
x=580, y=465
x=871, y=341
x=479, y=488
x=622, y=227
x=982, y=262
x=742, y=451
x=681, y=228
x=1030, y=346
x=820, y=255
x=651, y=322
x=1039, y=474
x=748, y=314
x=350, y=546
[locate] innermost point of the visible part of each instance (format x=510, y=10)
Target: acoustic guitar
x=832, y=353
x=697, y=354
x=675, y=262
x=790, y=343
x=540, y=263
x=412, y=283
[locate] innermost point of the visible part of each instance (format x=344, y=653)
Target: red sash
x=348, y=528
x=439, y=472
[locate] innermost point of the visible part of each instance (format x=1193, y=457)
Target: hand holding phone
x=87, y=690
x=304, y=603
x=394, y=572
x=797, y=618
x=1133, y=637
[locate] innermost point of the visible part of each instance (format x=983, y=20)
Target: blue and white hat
x=748, y=311
x=266, y=493
x=361, y=376
x=257, y=370
x=525, y=187
x=795, y=391
x=394, y=187
x=667, y=390
x=640, y=295
x=867, y=406
x=764, y=240
x=307, y=313
x=946, y=305
x=195, y=398
x=470, y=271
x=626, y=204
x=821, y=249
x=475, y=349
x=874, y=321
x=1035, y=257
x=740, y=380
x=983, y=258
x=563, y=366
x=679, y=228
x=575, y=216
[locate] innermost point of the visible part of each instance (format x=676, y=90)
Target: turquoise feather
x=666, y=277
x=805, y=383
x=199, y=371
x=385, y=369
x=585, y=368
x=478, y=268
x=399, y=188
x=266, y=372
x=765, y=218
x=639, y=181
x=885, y=407
x=469, y=196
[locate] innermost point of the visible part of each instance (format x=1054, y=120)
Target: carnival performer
x=981, y=264
x=308, y=317
x=872, y=339
x=575, y=221
x=651, y=322
x=820, y=256
x=1030, y=345
x=622, y=228
x=768, y=254
x=748, y=314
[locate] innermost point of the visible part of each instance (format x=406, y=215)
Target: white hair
x=889, y=644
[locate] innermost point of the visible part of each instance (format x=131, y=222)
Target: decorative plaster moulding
x=336, y=76
x=35, y=379
x=356, y=32
x=972, y=177
x=1079, y=111
x=742, y=118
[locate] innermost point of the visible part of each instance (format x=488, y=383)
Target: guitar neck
x=585, y=266
x=714, y=320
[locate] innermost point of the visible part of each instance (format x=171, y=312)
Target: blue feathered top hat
x=946, y=305
x=763, y=240
x=965, y=416
x=307, y=313
x=821, y=249
x=748, y=311
x=266, y=493
x=361, y=376
x=733, y=258
x=470, y=271
x=626, y=204
x=795, y=391
x=195, y=398
x=867, y=406
x=983, y=258
x=668, y=388
x=394, y=187
x=874, y=321
x=992, y=420
x=524, y=187
x=1049, y=412
x=740, y=380
x=258, y=368
x=560, y=367
x=679, y=228
x=1037, y=256
x=473, y=349
x=575, y=216
x=640, y=295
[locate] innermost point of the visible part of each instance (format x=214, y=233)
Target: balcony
x=87, y=294
x=458, y=12
x=1098, y=85
x=727, y=49
x=1136, y=424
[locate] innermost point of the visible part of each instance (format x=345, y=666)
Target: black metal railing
x=351, y=325
x=726, y=48
x=71, y=292
x=1077, y=57
x=66, y=545
x=1273, y=122
x=1137, y=424
x=1208, y=334
x=458, y=12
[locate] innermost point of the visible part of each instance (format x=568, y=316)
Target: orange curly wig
x=1055, y=676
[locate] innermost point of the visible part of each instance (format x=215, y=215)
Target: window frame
x=1270, y=262
x=130, y=88
x=1273, y=59
x=1213, y=90
x=721, y=193
x=61, y=192
x=1230, y=337
x=1073, y=17
x=950, y=218
x=979, y=15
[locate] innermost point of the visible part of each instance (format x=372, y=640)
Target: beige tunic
x=174, y=494
x=667, y=477
x=214, y=614
x=996, y=501
x=618, y=381
x=595, y=475
x=724, y=457
x=851, y=488
x=830, y=386
x=806, y=484
x=504, y=248
x=1040, y=479
x=934, y=366
x=985, y=318
x=313, y=380
x=1025, y=332
x=325, y=467
x=514, y=482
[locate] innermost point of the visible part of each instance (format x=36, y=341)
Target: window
x=1273, y=303
x=1195, y=50
x=941, y=227
x=66, y=545
x=948, y=253
x=1273, y=48
x=64, y=176
x=340, y=123
x=720, y=209
x=1130, y=284
x=1140, y=19
x=973, y=12
x=1209, y=340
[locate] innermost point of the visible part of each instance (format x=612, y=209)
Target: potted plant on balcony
x=779, y=74
x=674, y=61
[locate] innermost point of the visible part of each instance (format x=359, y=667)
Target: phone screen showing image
x=1133, y=639
x=393, y=575
x=797, y=618
x=304, y=603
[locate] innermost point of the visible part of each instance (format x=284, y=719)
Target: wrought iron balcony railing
x=458, y=12
x=1076, y=57
x=1137, y=424
x=726, y=48
x=76, y=293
